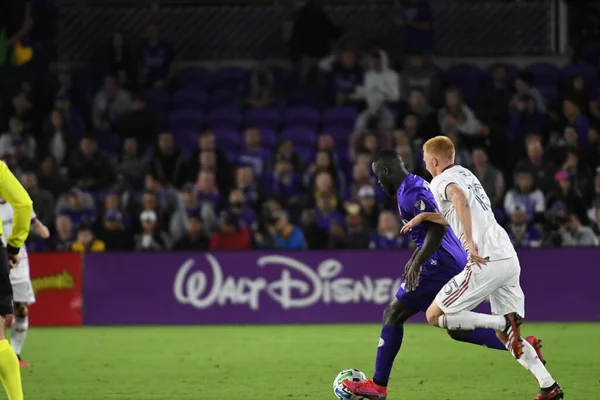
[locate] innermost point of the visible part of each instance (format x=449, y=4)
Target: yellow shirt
x=15, y=194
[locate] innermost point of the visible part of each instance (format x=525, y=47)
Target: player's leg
x=10, y=373
x=404, y=306
x=481, y=337
x=19, y=328
x=510, y=298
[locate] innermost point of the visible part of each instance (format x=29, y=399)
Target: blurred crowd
x=108, y=172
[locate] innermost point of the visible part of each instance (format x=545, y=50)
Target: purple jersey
x=414, y=197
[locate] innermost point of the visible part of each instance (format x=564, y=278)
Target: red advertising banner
x=56, y=280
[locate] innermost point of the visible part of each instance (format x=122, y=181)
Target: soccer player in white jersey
x=23, y=294
x=493, y=272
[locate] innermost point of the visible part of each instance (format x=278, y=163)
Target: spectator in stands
x=369, y=208
x=50, y=178
x=168, y=162
x=326, y=214
x=316, y=237
x=286, y=149
x=120, y=62
x=190, y=205
x=76, y=209
x=110, y=104
x=238, y=207
x=577, y=235
x=324, y=162
x=74, y=117
x=345, y=77
x=324, y=184
x=218, y=161
x=151, y=238
x=140, y=123
x=580, y=171
x=388, y=234
x=87, y=242
x=525, y=195
x=284, y=235
x=15, y=132
x=573, y=114
x=357, y=235
x=525, y=88
x=522, y=233
x=427, y=123
x=543, y=170
x=132, y=166
x=195, y=238
x=284, y=182
x=112, y=203
x=380, y=124
x=150, y=203
x=156, y=57
x=58, y=141
x=565, y=194
x=417, y=22
x=63, y=239
x=208, y=192
x=230, y=235
x=411, y=162
x=496, y=143
x=412, y=133
x=65, y=87
x=261, y=91
x=494, y=98
x=113, y=232
x=168, y=198
x=491, y=178
x=23, y=110
x=578, y=93
x=420, y=74
x=361, y=177
x=245, y=180
x=311, y=39
x=254, y=154
x=43, y=199
x=464, y=116
x=89, y=169
x=526, y=119
x=463, y=156
x=21, y=157
x=382, y=84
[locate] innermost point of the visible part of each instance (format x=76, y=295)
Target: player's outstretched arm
x=433, y=241
x=434, y=217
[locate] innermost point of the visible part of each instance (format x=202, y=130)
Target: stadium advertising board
x=56, y=280
x=301, y=287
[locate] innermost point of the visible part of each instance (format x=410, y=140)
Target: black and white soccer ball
x=340, y=391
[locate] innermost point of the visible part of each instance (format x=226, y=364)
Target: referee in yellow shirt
x=11, y=191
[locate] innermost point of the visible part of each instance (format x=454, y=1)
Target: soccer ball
x=340, y=391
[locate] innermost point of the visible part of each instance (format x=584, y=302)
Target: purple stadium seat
x=307, y=117
x=230, y=78
x=108, y=142
x=224, y=118
x=157, y=101
x=586, y=71
x=307, y=153
x=511, y=70
x=544, y=74
x=269, y=138
x=193, y=77
x=185, y=139
x=263, y=117
x=340, y=116
x=300, y=136
x=550, y=93
x=228, y=139
x=467, y=78
x=340, y=134
x=303, y=98
x=222, y=98
x=189, y=98
x=181, y=120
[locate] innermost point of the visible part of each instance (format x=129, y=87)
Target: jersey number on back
x=480, y=196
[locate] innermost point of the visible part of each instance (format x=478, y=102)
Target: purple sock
x=389, y=345
x=485, y=337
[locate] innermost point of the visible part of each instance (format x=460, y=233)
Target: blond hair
x=440, y=146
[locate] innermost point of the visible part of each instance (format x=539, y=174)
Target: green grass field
x=292, y=362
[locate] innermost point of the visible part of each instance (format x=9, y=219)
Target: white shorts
x=23, y=292
x=497, y=281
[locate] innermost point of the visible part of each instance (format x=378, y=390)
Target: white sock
x=531, y=362
x=469, y=320
x=18, y=333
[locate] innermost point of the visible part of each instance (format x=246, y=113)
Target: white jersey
x=491, y=239
x=20, y=273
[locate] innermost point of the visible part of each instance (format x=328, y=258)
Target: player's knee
x=394, y=314
x=432, y=316
x=21, y=310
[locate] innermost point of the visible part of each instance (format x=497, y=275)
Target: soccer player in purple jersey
x=438, y=257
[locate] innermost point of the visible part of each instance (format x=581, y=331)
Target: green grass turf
x=292, y=362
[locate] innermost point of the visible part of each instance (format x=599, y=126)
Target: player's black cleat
x=512, y=334
x=554, y=392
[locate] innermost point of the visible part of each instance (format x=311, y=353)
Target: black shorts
x=6, y=292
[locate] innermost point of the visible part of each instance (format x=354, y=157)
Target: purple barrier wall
x=302, y=287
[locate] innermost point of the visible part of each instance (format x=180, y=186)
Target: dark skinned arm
x=433, y=241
